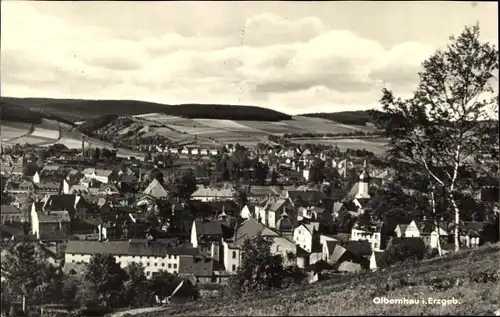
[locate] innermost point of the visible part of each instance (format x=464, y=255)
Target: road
x=137, y=311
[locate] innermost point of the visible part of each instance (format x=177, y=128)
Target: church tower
x=363, y=184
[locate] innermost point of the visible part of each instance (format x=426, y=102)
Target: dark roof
x=361, y=247
x=127, y=248
x=306, y=195
x=331, y=245
x=61, y=202
x=416, y=244
x=9, y=209
x=210, y=228
x=8, y=231
x=477, y=226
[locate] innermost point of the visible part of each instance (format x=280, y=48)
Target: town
x=249, y=159
x=318, y=207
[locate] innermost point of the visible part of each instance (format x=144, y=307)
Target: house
x=154, y=256
x=76, y=205
x=183, y=293
x=48, y=188
x=50, y=223
x=407, y=230
x=350, y=267
x=250, y=229
x=11, y=214
x=417, y=245
x=185, y=151
x=248, y=211
x=430, y=235
x=303, y=198
x=102, y=175
x=206, y=231
x=374, y=234
x=307, y=235
x=108, y=190
x=155, y=189
x=201, y=267
x=273, y=211
x=213, y=193
x=377, y=260
x=359, y=252
x=214, y=152
x=473, y=234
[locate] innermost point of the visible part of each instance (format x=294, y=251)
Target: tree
x=28, y=274
x=240, y=197
x=103, y=281
x=259, y=269
x=274, y=177
x=447, y=122
x=136, y=289
x=182, y=184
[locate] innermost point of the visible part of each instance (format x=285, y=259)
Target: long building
x=154, y=256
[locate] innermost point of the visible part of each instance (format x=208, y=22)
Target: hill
x=357, y=118
x=471, y=277
x=75, y=110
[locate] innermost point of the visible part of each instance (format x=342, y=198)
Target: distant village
x=188, y=211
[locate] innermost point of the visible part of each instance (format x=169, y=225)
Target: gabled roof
x=9, y=210
x=251, y=228
x=208, y=228
x=62, y=202
x=360, y=248
x=155, y=189
x=203, y=191
x=330, y=246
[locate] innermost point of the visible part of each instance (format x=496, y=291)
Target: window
x=169, y=266
x=277, y=248
x=148, y=273
x=234, y=267
x=169, y=256
x=234, y=254
x=175, y=272
x=147, y=264
x=175, y=265
x=163, y=264
x=156, y=264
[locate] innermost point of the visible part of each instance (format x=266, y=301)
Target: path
x=137, y=311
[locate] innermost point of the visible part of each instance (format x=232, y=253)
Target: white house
x=153, y=256
x=372, y=235
x=195, y=151
x=231, y=257
x=36, y=178
x=407, y=230
x=246, y=212
x=304, y=235
x=185, y=151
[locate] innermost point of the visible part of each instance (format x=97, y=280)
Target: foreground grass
x=471, y=277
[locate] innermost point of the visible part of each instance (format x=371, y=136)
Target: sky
x=294, y=57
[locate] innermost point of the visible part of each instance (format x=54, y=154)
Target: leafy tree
x=259, y=269
x=103, y=281
x=316, y=172
x=137, y=289
x=240, y=197
x=182, y=184
x=445, y=125
x=274, y=177
x=28, y=274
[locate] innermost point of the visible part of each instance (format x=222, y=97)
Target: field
x=376, y=146
x=459, y=276
x=13, y=130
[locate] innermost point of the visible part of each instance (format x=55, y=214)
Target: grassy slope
x=76, y=110
x=351, y=295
